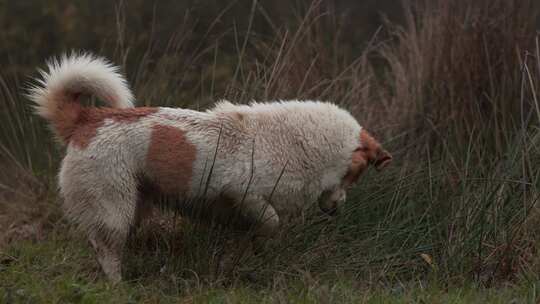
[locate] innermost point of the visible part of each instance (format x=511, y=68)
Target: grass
x=61, y=269
x=453, y=93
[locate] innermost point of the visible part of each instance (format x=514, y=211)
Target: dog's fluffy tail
x=56, y=95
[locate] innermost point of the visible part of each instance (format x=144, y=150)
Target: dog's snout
x=330, y=202
x=333, y=211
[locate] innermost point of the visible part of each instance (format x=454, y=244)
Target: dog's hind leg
x=110, y=231
x=105, y=209
x=108, y=255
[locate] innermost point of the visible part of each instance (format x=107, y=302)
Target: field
x=451, y=88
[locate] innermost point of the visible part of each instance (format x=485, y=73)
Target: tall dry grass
x=458, y=68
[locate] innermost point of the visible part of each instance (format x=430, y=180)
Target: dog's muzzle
x=330, y=201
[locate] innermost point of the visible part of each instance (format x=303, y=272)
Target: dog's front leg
x=260, y=213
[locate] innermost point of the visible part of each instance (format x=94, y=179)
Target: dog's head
x=369, y=152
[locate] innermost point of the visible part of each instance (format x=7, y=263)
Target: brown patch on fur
x=239, y=116
x=373, y=151
x=63, y=117
x=370, y=152
x=88, y=120
x=63, y=121
x=170, y=159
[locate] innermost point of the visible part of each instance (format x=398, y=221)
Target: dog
x=269, y=159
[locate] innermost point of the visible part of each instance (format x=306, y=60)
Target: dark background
x=34, y=30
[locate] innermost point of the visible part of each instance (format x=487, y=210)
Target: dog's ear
x=374, y=153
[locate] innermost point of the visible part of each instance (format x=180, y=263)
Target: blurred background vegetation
x=34, y=30
x=450, y=87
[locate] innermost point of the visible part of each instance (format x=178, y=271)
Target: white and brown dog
x=269, y=159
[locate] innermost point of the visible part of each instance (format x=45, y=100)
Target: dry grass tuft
x=456, y=67
x=25, y=213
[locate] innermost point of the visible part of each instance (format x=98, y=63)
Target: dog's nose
x=332, y=211
x=331, y=208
